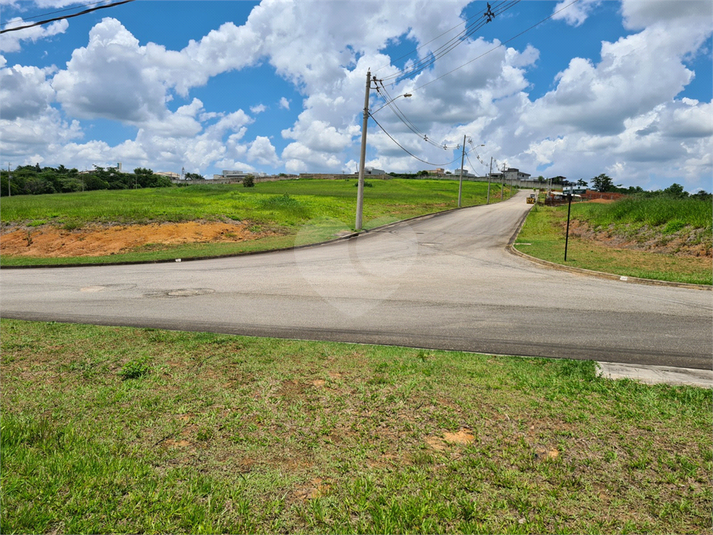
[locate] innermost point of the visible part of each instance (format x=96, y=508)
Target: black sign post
x=565, y=183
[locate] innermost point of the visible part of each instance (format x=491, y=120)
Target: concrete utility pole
x=490, y=173
x=9, y=191
x=362, y=160
x=502, y=183
x=460, y=182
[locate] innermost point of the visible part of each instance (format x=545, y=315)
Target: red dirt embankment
x=101, y=240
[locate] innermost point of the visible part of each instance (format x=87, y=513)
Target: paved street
x=440, y=282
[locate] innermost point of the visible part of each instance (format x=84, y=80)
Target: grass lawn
x=137, y=430
x=288, y=208
x=544, y=234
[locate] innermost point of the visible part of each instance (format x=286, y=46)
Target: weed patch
x=135, y=368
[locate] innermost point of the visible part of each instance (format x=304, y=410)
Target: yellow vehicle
x=532, y=198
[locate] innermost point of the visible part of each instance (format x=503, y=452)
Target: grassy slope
x=544, y=230
x=288, y=207
x=131, y=430
x=265, y=203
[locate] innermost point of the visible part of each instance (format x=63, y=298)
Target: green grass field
x=660, y=211
x=544, y=234
x=286, y=203
x=286, y=207
x=137, y=430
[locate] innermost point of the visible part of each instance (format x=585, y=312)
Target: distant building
x=234, y=175
x=373, y=171
x=466, y=173
x=169, y=174
x=512, y=173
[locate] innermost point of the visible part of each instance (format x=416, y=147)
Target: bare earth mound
x=685, y=243
x=96, y=240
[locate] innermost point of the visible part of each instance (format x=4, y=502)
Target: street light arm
x=405, y=95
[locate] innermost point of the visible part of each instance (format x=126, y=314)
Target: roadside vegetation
x=314, y=208
x=36, y=180
x=652, y=236
x=137, y=430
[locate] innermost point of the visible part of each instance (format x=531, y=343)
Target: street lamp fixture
x=405, y=95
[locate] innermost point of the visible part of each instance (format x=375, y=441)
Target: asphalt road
x=441, y=282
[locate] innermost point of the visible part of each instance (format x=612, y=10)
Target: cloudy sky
x=601, y=86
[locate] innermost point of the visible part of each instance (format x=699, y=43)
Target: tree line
x=36, y=180
x=605, y=184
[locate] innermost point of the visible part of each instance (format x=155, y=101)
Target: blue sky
x=604, y=86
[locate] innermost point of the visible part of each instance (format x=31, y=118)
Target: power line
x=61, y=11
x=443, y=50
x=47, y=21
x=450, y=44
x=496, y=47
x=405, y=120
x=454, y=42
x=429, y=42
x=406, y=150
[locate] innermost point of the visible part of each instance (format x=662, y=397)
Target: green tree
x=676, y=190
x=92, y=182
x=603, y=183
x=38, y=186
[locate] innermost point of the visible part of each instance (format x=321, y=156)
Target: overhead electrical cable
x=47, y=21
x=406, y=150
x=415, y=50
x=498, y=46
x=471, y=163
x=405, y=120
x=61, y=10
x=454, y=42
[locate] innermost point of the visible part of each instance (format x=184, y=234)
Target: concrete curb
x=656, y=374
x=603, y=275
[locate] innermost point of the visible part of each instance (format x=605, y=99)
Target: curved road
x=445, y=282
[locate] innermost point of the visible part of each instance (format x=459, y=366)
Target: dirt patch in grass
x=686, y=242
x=103, y=240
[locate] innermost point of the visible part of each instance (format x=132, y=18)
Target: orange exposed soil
x=97, y=240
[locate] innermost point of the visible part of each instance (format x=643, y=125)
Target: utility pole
x=9, y=191
x=490, y=173
x=460, y=182
x=502, y=183
x=362, y=160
